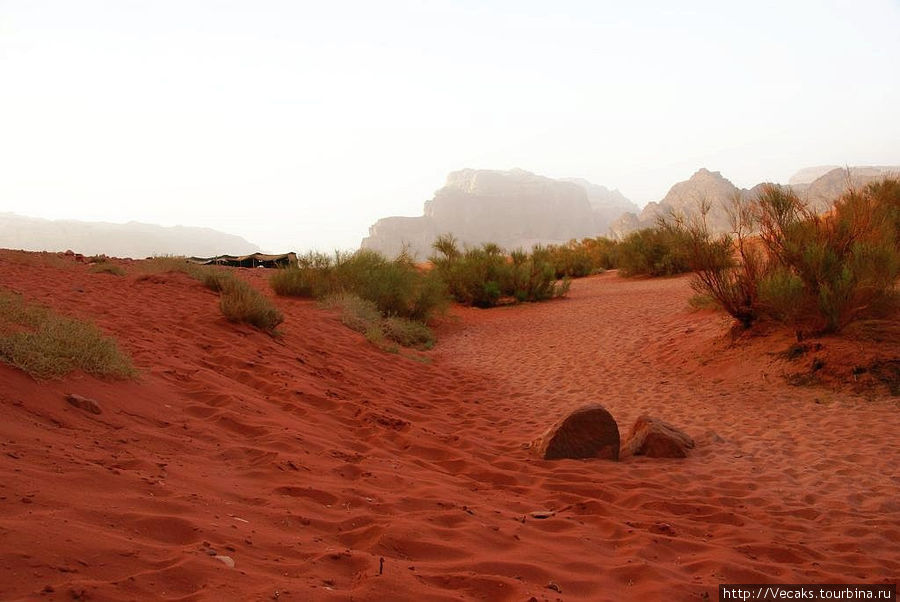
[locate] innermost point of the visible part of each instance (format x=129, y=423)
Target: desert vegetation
x=47, y=345
x=484, y=276
x=784, y=262
x=238, y=300
x=382, y=298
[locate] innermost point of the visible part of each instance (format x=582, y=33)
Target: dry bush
x=108, y=268
x=815, y=272
x=47, y=345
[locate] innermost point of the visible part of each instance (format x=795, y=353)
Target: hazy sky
x=297, y=124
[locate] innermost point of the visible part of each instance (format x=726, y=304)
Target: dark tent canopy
x=254, y=260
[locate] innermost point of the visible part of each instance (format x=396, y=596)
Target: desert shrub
x=312, y=277
x=473, y=276
x=657, y=251
x=108, y=268
x=240, y=302
x=532, y=277
x=47, y=345
x=397, y=287
x=356, y=313
x=364, y=316
x=847, y=260
x=727, y=268
x=817, y=272
x=482, y=276
x=408, y=333
x=578, y=259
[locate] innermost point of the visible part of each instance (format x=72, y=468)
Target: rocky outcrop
x=119, y=240
x=710, y=186
x=515, y=209
x=588, y=432
x=654, y=438
x=822, y=192
x=685, y=198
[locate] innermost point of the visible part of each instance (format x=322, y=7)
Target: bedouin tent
x=254, y=260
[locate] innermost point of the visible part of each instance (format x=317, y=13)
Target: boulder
x=654, y=438
x=588, y=432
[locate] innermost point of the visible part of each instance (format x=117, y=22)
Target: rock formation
x=819, y=186
x=685, y=198
x=118, y=240
x=515, y=209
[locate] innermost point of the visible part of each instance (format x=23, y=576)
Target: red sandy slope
x=310, y=458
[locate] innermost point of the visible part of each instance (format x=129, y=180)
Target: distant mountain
x=607, y=204
x=822, y=192
x=818, y=186
x=515, y=209
x=808, y=174
x=133, y=239
x=684, y=198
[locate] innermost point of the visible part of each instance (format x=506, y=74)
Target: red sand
x=310, y=458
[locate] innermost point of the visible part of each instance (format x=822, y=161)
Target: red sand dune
x=309, y=459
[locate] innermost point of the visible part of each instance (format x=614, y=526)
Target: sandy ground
x=327, y=469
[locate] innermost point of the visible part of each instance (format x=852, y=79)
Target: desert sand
x=327, y=469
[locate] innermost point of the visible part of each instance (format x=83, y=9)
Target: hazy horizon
x=298, y=125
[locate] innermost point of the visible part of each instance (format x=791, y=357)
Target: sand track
x=309, y=459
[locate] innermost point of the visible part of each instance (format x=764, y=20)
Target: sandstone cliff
x=515, y=209
x=118, y=240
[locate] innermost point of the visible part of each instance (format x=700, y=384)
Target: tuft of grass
x=364, y=317
x=108, y=268
x=408, y=333
x=46, y=345
x=238, y=301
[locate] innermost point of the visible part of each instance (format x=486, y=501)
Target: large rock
x=514, y=209
x=654, y=438
x=588, y=432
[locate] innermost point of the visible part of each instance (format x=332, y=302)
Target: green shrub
x=847, y=260
x=397, y=287
x=658, y=251
x=47, y=345
x=312, y=277
x=578, y=259
x=482, y=276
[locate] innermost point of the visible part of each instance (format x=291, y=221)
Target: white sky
x=297, y=124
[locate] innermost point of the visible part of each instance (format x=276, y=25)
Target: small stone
x=554, y=587
x=662, y=529
x=226, y=560
x=542, y=514
x=84, y=403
